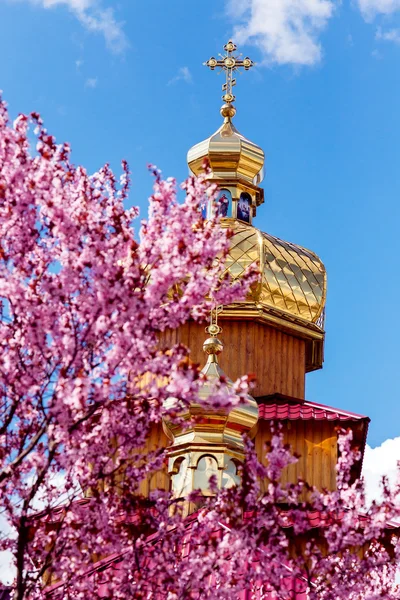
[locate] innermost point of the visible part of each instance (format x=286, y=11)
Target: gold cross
x=229, y=63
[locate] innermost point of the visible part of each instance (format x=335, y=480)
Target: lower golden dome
x=292, y=279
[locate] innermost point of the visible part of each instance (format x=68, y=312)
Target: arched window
x=224, y=203
x=230, y=477
x=204, y=207
x=181, y=478
x=206, y=468
x=244, y=207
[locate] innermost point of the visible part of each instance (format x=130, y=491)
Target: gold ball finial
x=230, y=46
x=213, y=345
x=228, y=111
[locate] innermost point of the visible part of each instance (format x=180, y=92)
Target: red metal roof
x=280, y=407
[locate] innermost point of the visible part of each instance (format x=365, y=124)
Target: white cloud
x=380, y=461
x=91, y=82
x=103, y=21
x=183, y=74
x=371, y=8
x=76, y=5
x=286, y=31
x=94, y=18
x=392, y=35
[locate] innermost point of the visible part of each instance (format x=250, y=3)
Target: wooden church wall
x=276, y=358
x=158, y=480
x=315, y=442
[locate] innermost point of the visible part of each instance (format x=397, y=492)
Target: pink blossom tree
x=83, y=381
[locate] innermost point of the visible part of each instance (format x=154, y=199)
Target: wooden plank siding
x=314, y=441
x=276, y=358
x=158, y=480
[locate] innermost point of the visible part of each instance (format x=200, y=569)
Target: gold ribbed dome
x=292, y=280
x=230, y=155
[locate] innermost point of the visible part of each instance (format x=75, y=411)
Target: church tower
x=276, y=333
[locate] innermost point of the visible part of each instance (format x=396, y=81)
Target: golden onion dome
x=230, y=155
x=292, y=280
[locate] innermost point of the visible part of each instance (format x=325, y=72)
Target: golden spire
x=230, y=64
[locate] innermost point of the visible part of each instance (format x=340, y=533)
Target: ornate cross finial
x=229, y=63
x=213, y=328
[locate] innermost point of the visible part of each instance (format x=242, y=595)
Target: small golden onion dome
x=230, y=155
x=209, y=424
x=292, y=282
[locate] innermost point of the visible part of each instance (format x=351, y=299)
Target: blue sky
x=125, y=80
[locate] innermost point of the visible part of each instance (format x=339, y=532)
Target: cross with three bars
x=229, y=63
